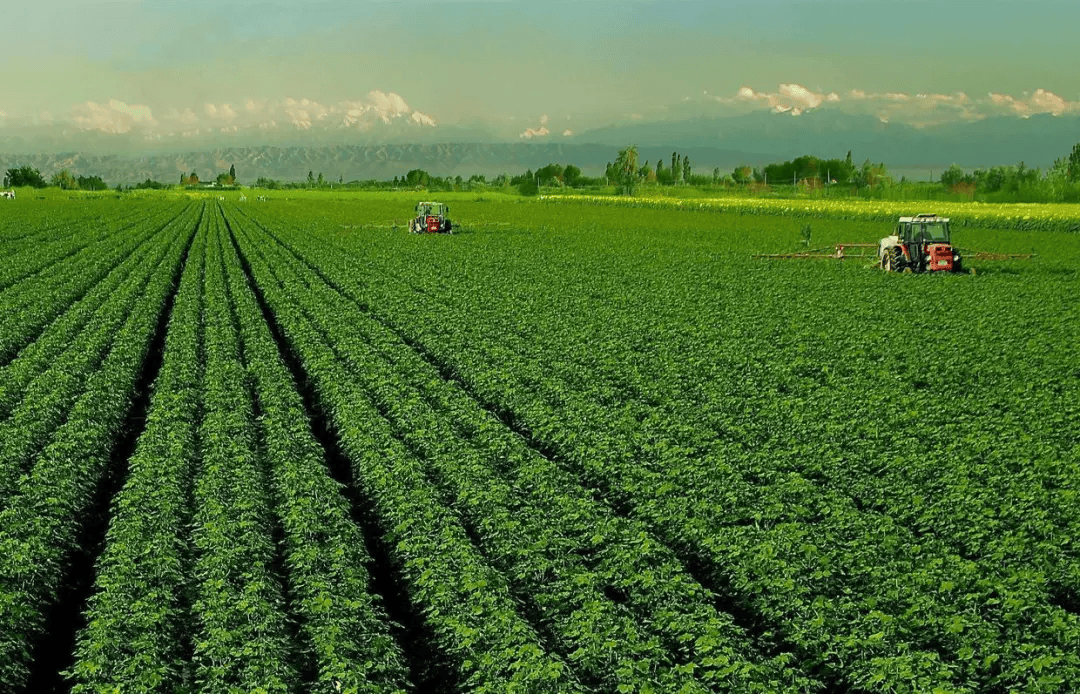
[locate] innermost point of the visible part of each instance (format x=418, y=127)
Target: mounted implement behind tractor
x=431, y=218
x=922, y=243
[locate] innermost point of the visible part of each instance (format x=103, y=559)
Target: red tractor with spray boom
x=920, y=244
x=431, y=218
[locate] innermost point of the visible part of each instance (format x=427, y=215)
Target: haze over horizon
x=140, y=72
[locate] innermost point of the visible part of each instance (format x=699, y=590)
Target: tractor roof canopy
x=434, y=208
x=923, y=229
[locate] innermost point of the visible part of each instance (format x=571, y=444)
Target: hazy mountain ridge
x=352, y=162
x=1037, y=140
x=755, y=139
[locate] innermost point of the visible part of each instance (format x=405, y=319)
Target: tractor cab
x=922, y=229
x=920, y=244
x=431, y=218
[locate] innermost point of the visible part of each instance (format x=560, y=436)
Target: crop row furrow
x=568, y=535
x=57, y=338
x=840, y=529
x=342, y=621
x=465, y=600
x=47, y=295
x=39, y=528
x=242, y=638
x=599, y=637
x=48, y=399
x=137, y=637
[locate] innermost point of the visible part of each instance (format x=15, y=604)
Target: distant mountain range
x=756, y=138
x=351, y=162
x=1037, y=140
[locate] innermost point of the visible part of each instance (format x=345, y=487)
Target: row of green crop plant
x=25, y=225
x=28, y=306
x=50, y=246
x=342, y=621
x=38, y=355
x=54, y=375
x=39, y=526
x=995, y=635
x=554, y=578
x=227, y=430
x=993, y=632
x=242, y=628
x=1029, y=593
x=633, y=333
x=138, y=632
x=465, y=601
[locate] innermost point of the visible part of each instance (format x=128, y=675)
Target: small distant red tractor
x=920, y=244
x=431, y=218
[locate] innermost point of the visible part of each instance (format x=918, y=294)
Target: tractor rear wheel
x=892, y=260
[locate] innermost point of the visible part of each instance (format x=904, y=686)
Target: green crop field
x=284, y=446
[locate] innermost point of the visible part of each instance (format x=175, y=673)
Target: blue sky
x=528, y=67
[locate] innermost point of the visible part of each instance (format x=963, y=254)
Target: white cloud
x=788, y=98
x=302, y=113
x=920, y=109
x=568, y=133
x=1042, y=101
x=530, y=133
x=186, y=117
x=423, y=119
x=114, y=117
x=222, y=112
x=540, y=131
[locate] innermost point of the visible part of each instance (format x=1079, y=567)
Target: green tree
x=527, y=185
x=1073, y=170
x=626, y=170
x=310, y=179
x=64, y=180
x=686, y=169
x=417, y=177
x=549, y=173
x=232, y=172
x=24, y=176
x=571, y=175
x=322, y=181
x=951, y=176
x=91, y=183
x=676, y=170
